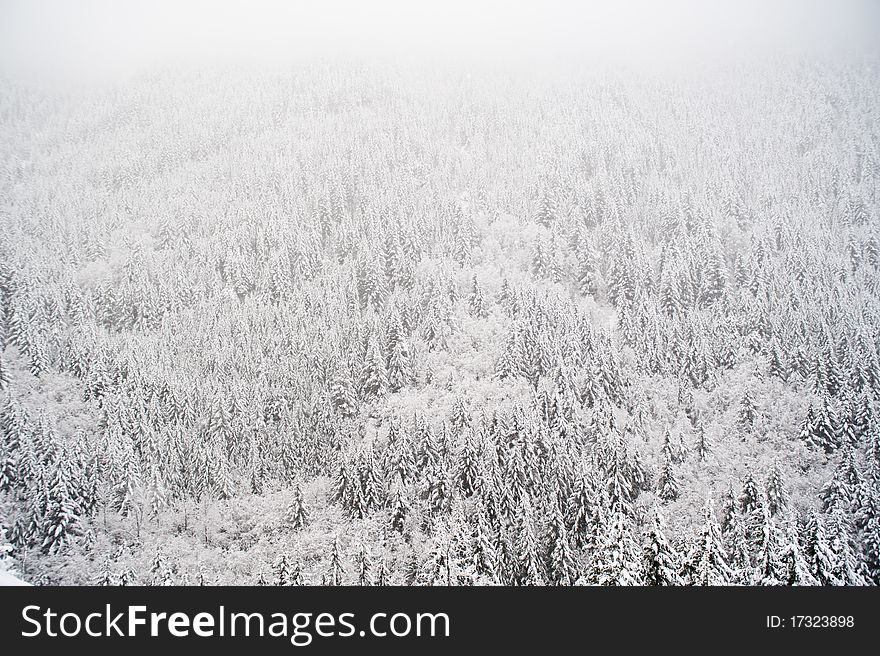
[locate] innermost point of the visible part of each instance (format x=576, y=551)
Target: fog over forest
x=459, y=293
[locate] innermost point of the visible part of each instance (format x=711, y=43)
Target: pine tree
x=586, y=276
x=707, y=563
x=561, y=567
x=703, y=447
x=841, y=491
x=821, y=559
x=400, y=364
x=871, y=545
x=412, y=569
x=4, y=374
x=460, y=417
x=660, y=562
x=399, y=507
x=848, y=568
x=483, y=556
x=477, y=300
x=364, y=567
x=374, y=375
x=438, y=568
x=777, y=495
x=467, y=472
x=749, y=500
x=793, y=567
x=530, y=564
x=61, y=513
x=821, y=432
x=509, y=364
x=282, y=571
x=767, y=567
x=616, y=557
x=156, y=494
x=748, y=412
x=335, y=571
x=728, y=510
x=342, y=395
x=548, y=211
x=667, y=485
x=739, y=552
x=296, y=516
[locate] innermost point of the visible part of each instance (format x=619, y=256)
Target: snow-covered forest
x=401, y=324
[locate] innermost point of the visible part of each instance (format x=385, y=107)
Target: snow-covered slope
x=6, y=578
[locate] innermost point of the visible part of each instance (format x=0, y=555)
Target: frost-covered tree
x=660, y=562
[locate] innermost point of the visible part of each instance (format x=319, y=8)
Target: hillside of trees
x=343, y=324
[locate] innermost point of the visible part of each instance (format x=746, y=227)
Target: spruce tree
x=748, y=412
x=822, y=561
x=4, y=374
x=616, y=557
x=374, y=374
x=561, y=567
x=400, y=364
x=342, y=395
x=667, y=485
x=399, y=507
x=707, y=562
x=484, y=559
x=530, y=566
x=794, y=568
x=848, y=569
x=282, y=571
x=335, y=571
x=660, y=562
x=363, y=566
x=768, y=568
x=477, y=300
x=703, y=447
x=777, y=495
x=296, y=515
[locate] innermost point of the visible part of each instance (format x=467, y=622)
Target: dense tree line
x=524, y=330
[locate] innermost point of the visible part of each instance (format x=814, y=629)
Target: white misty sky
x=77, y=36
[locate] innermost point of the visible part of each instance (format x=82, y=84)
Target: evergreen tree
x=548, y=210
x=660, y=562
x=586, y=276
x=364, y=567
x=335, y=570
x=296, y=516
x=400, y=364
x=412, y=569
x=707, y=563
x=561, y=567
x=282, y=572
x=848, y=569
x=793, y=567
x=749, y=500
x=615, y=558
x=374, y=375
x=667, y=485
x=703, y=447
x=477, y=300
x=819, y=429
x=768, y=567
x=342, y=395
x=748, y=412
x=4, y=374
x=728, y=510
x=530, y=563
x=399, y=507
x=822, y=561
x=777, y=495
x=483, y=556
